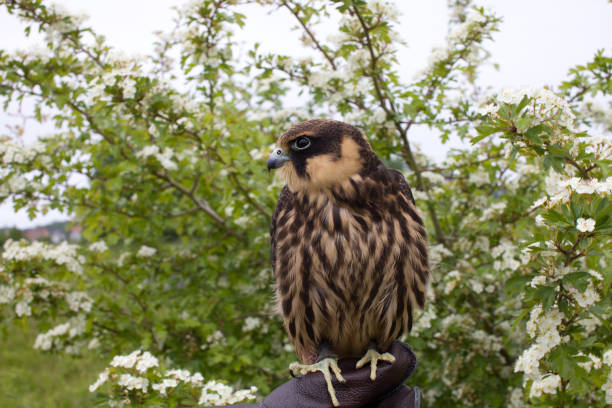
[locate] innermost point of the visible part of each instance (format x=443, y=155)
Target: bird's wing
x=416, y=269
x=293, y=315
x=400, y=182
x=282, y=203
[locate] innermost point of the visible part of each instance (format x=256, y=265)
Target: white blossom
x=102, y=378
x=607, y=358
x=165, y=159
x=434, y=178
x=424, y=321
x=546, y=385
x=544, y=324
x=79, y=301
x=477, y=286
x=589, y=324
x=532, y=324
x=529, y=361
x=379, y=116
x=479, y=178
x=257, y=154
x=7, y=294
x=127, y=361
x=493, y=209
x=594, y=362
x=585, y=225
x=23, y=309
x=607, y=388
x=547, y=106
x=384, y=8
x=146, y=251
x=166, y=383
x=537, y=281
x=538, y=203
x=74, y=327
x=595, y=275
x=559, y=188
x=525, y=169
x=587, y=298
x=129, y=87
x=600, y=145
x=419, y=195
x=63, y=253
x=320, y=79
x=215, y=338
x=13, y=153
x=516, y=398
x=147, y=151
x=93, y=344
x=436, y=252
x=453, y=278
x=196, y=379
x=145, y=361
x=216, y=393
x=251, y=323
x=43, y=342
x=131, y=382
x=99, y=246
x=182, y=375
x=122, y=258
x=242, y=221
x=507, y=251
x=357, y=60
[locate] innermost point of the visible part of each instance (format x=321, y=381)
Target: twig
x=311, y=35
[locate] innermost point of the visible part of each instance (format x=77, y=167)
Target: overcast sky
x=538, y=42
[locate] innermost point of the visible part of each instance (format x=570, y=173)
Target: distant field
x=31, y=379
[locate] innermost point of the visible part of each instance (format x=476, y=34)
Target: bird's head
x=320, y=153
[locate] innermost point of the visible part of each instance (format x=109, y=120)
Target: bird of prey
x=348, y=248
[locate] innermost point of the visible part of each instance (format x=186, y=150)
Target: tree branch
x=201, y=203
x=310, y=34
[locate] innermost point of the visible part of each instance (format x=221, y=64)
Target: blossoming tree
x=161, y=161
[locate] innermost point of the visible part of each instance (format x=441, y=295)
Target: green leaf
x=555, y=218
x=562, y=363
x=516, y=284
x=533, y=131
x=519, y=318
x=486, y=130
x=579, y=280
x=546, y=294
x=522, y=105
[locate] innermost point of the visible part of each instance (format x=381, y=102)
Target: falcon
x=348, y=249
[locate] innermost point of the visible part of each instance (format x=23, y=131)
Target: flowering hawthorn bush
x=161, y=160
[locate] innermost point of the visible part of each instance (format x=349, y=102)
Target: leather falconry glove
x=388, y=391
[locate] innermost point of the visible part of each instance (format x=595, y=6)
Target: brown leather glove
x=388, y=391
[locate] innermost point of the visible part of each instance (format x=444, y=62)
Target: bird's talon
x=325, y=366
x=372, y=356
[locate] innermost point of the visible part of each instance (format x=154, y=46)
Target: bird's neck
x=348, y=194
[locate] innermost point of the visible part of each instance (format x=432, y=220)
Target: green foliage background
x=173, y=156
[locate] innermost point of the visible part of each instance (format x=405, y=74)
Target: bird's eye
x=302, y=143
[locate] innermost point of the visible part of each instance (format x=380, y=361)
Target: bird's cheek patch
x=293, y=180
x=327, y=170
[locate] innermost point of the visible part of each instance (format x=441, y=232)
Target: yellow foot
x=324, y=366
x=372, y=356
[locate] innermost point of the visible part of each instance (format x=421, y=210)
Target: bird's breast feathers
x=351, y=260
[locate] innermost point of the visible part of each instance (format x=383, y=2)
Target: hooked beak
x=277, y=158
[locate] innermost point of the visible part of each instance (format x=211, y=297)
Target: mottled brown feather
x=349, y=253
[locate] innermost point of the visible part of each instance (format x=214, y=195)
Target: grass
x=30, y=378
